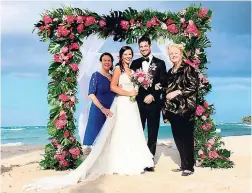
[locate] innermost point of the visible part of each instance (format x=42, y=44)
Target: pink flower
x=90, y=20
x=62, y=115
x=192, y=29
x=173, y=29
x=64, y=50
x=62, y=31
x=203, y=118
x=209, y=146
x=80, y=28
x=148, y=24
x=69, y=55
x=47, y=19
x=54, y=140
x=183, y=12
x=72, y=139
x=209, y=125
x=72, y=98
x=213, y=154
x=206, y=115
x=71, y=36
x=203, y=12
x=70, y=19
x=140, y=79
x=200, y=110
x=57, y=58
x=197, y=51
x=63, y=97
x=102, y=23
x=42, y=28
x=74, y=67
x=200, y=152
x=204, y=127
x=169, y=21
x=79, y=19
x=63, y=163
x=124, y=24
x=203, y=156
x=66, y=134
x=74, y=46
x=75, y=151
x=164, y=26
x=154, y=21
x=60, y=123
x=206, y=105
x=211, y=141
x=182, y=20
x=55, y=19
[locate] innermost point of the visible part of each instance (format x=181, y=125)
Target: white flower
x=164, y=26
x=182, y=20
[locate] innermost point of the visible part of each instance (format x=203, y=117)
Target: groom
x=149, y=101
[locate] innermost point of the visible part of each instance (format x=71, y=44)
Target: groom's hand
x=148, y=99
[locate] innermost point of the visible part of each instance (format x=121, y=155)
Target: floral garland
x=66, y=28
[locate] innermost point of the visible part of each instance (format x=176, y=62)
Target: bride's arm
x=114, y=85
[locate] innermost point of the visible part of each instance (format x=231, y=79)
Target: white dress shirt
x=146, y=64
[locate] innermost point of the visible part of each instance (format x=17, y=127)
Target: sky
x=25, y=60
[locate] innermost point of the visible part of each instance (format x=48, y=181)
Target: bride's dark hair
x=122, y=50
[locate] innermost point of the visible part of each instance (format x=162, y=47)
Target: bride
x=120, y=148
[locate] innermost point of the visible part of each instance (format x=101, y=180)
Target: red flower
x=213, y=154
x=75, y=151
x=200, y=110
x=203, y=156
x=124, y=24
x=154, y=21
x=69, y=79
x=148, y=24
x=66, y=134
x=169, y=22
x=132, y=21
x=183, y=25
x=80, y=28
x=89, y=21
x=47, y=19
x=102, y=23
x=173, y=28
x=72, y=139
x=63, y=97
x=69, y=55
x=206, y=105
x=74, y=67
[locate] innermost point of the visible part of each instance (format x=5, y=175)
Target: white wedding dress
x=120, y=147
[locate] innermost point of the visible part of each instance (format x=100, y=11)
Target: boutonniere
x=153, y=67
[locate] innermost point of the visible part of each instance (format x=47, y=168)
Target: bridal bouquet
x=141, y=78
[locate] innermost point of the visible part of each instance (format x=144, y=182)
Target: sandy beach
x=19, y=166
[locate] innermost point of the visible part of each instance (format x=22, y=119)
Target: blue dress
x=99, y=86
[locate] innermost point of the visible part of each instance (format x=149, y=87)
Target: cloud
x=24, y=75
x=231, y=84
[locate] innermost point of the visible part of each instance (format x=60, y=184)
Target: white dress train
x=119, y=148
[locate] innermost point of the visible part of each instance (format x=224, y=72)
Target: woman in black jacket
x=180, y=105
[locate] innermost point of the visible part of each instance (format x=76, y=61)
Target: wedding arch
x=67, y=28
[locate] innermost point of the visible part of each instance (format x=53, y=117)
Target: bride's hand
x=107, y=112
x=133, y=92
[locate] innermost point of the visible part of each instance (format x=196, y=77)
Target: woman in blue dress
x=102, y=98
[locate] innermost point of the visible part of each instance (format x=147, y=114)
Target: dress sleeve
x=93, y=84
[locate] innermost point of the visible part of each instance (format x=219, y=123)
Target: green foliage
x=128, y=25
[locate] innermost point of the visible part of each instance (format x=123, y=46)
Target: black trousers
x=151, y=114
x=183, y=134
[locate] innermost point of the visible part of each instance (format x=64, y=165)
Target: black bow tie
x=146, y=59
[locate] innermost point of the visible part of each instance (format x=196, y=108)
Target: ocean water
x=37, y=135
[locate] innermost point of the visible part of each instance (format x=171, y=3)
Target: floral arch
x=66, y=29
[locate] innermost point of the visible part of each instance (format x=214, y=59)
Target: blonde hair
x=179, y=46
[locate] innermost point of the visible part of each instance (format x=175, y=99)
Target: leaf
x=54, y=47
x=52, y=131
x=77, y=57
x=48, y=148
